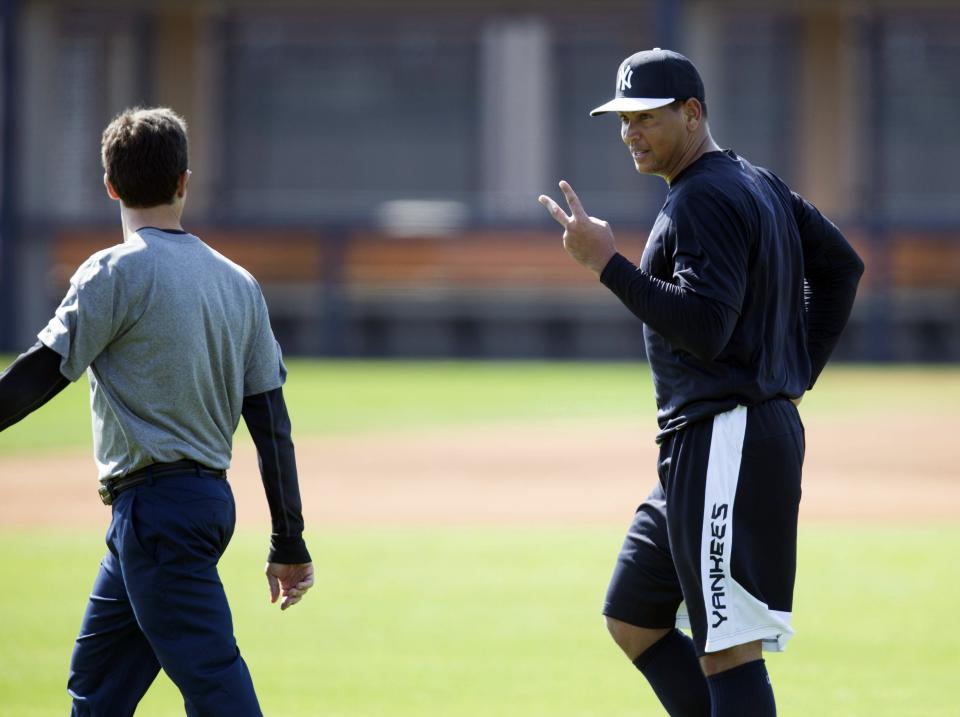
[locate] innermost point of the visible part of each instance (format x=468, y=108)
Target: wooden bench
x=480, y=259
x=271, y=256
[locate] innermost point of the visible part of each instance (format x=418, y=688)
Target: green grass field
x=504, y=620
x=331, y=397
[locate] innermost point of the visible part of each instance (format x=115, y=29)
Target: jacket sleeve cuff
x=288, y=550
x=616, y=270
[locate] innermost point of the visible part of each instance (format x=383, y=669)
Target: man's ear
x=182, y=183
x=693, y=112
x=111, y=192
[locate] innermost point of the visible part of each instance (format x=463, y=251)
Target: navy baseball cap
x=653, y=78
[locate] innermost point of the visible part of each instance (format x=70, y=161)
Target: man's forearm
x=269, y=424
x=697, y=325
x=28, y=383
x=832, y=271
x=829, y=301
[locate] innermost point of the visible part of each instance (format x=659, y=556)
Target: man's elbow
x=857, y=266
x=848, y=263
x=717, y=326
x=706, y=347
x=709, y=353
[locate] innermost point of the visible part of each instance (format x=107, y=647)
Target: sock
x=673, y=671
x=744, y=691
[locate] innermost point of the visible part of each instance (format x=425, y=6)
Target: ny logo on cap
x=624, y=76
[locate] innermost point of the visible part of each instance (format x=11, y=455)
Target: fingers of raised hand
x=573, y=201
x=555, y=211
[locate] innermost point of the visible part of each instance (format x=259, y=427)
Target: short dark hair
x=144, y=153
x=676, y=104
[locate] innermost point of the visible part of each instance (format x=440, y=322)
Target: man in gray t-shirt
x=162, y=316
x=177, y=346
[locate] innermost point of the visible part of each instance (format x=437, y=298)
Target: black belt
x=111, y=487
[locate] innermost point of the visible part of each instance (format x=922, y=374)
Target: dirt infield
x=855, y=471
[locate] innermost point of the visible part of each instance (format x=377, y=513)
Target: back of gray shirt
x=173, y=336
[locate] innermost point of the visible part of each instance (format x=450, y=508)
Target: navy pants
x=158, y=602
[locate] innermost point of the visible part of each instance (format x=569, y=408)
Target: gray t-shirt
x=173, y=336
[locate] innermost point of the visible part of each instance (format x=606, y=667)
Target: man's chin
x=645, y=168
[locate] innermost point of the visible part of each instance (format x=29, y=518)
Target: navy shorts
x=714, y=546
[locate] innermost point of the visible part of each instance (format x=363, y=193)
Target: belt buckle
x=106, y=495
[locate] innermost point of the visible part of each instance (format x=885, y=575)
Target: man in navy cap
x=743, y=290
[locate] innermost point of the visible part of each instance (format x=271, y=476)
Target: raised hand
x=587, y=239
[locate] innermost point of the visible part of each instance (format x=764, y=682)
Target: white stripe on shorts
x=734, y=616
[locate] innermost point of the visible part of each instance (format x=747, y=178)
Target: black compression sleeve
x=269, y=424
x=687, y=320
x=832, y=271
x=29, y=382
